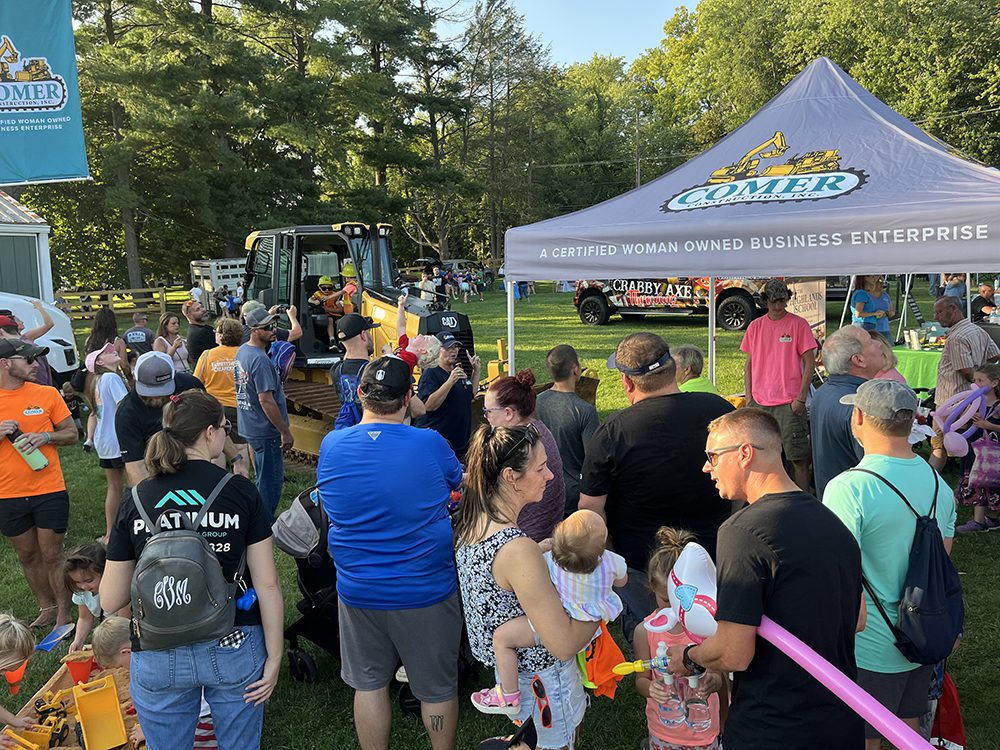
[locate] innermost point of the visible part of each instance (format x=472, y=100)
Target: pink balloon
x=966, y=404
x=692, y=591
x=890, y=726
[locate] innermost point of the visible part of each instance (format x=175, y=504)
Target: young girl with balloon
x=679, y=716
x=980, y=485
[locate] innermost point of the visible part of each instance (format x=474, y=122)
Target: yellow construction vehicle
x=33, y=70
x=284, y=267
x=747, y=166
x=813, y=161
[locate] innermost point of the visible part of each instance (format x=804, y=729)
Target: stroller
x=301, y=531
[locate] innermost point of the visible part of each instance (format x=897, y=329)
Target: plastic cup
x=79, y=671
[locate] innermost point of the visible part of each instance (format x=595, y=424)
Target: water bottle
x=36, y=459
x=696, y=710
x=671, y=712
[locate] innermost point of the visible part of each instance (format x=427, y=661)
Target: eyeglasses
x=226, y=425
x=326, y=288
x=713, y=456
x=29, y=360
x=541, y=701
x=487, y=410
x=265, y=327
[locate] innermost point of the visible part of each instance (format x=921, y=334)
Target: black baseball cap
x=352, y=325
x=20, y=348
x=448, y=340
x=388, y=376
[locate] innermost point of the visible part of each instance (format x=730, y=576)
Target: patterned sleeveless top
x=487, y=606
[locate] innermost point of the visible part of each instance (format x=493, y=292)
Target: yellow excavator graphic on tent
x=812, y=161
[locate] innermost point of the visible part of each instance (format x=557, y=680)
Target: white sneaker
x=401, y=675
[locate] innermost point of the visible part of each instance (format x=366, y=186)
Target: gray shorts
x=427, y=640
x=904, y=693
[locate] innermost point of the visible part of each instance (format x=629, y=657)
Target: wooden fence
x=83, y=305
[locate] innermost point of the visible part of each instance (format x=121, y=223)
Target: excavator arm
x=747, y=166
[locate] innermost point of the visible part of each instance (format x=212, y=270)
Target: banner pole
x=711, y=328
x=510, y=325
x=847, y=300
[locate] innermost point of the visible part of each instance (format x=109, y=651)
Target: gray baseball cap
x=776, y=289
x=154, y=375
x=882, y=399
x=258, y=317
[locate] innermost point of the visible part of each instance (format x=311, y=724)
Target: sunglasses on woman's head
x=530, y=437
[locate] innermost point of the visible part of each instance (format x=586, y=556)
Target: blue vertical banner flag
x=41, y=129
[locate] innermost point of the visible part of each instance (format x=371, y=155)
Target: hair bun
x=525, y=378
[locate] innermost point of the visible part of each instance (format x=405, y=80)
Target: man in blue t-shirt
x=385, y=486
x=447, y=392
x=262, y=414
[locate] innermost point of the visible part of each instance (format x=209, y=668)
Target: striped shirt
x=588, y=597
x=967, y=346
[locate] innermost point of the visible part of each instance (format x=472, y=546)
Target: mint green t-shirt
x=700, y=384
x=884, y=528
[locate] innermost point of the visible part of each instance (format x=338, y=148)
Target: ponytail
x=185, y=417
x=670, y=543
x=491, y=450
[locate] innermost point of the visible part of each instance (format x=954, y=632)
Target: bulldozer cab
x=285, y=266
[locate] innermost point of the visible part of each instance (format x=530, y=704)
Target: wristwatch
x=237, y=457
x=690, y=664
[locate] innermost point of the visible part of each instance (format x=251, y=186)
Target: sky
x=576, y=29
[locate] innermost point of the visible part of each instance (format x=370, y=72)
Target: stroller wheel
x=301, y=666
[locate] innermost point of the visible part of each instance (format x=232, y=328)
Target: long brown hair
x=491, y=450
x=161, y=329
x=185, y=417
x=92, y=556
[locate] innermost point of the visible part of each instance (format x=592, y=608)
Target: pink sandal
x=495, y=701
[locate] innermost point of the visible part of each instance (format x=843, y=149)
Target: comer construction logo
x=813, y=176
x=27, y=84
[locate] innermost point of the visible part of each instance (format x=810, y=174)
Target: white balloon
x=692, y=590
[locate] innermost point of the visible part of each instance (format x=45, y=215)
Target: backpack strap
x=211, y=499
x=144, y=515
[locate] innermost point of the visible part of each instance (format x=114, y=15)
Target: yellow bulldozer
x=284, y=267
x=748, y=166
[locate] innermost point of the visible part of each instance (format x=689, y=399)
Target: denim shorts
x=167, y=687
x=565, y=697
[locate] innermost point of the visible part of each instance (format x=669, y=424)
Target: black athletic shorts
x=112, y=463
x=21, y=514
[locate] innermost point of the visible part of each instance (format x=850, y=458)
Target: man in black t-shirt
x=140, y=413
x=201, y=336
x=783, y=556
x=983, y=305
x=643, y=465
x=447, y=392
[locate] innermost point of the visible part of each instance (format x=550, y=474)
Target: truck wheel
x=735, y=312
x=595, y=311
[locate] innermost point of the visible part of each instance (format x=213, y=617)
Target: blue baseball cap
x=448, y=340
x=641, y=370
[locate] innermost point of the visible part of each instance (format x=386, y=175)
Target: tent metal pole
x=908, y=285
x=847, y=300
x=968, y=296
x=711, y=328
x=510, y=326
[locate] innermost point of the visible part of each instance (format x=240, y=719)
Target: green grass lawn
x=320, y=715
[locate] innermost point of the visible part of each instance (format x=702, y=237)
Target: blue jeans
x=167, y=687
x=270, y=467
x=566, y=698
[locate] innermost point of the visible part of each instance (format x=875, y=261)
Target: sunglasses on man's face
x=29, y=360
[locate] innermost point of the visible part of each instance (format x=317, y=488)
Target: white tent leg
x=968, y=296
x=847, y=300
x=510, y=326
x=711, y=328
x=907, y=287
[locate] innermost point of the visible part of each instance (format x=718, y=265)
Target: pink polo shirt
x=776, y=348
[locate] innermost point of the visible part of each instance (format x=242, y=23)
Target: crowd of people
x=565, y=523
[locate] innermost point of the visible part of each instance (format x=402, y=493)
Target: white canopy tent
x=865, y=191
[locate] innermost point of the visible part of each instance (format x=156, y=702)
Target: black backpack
x=931, y=611
x=180, y=595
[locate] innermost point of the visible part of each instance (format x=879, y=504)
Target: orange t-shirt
x=36, y=408
x=215, y=370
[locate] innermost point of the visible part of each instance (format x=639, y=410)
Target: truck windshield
x=362, y=248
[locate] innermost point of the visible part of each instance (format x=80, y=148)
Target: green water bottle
x=36, y=459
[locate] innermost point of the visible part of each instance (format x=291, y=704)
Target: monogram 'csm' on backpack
x=179, y=593
x=931, y=612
